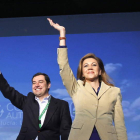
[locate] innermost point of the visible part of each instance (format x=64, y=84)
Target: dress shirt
x=97, y=89
x=42, y=105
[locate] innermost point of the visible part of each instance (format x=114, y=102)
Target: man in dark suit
x=44, y=117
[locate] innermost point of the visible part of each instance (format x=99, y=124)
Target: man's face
x=40, y=86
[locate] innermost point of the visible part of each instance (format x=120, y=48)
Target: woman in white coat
x=97, y=102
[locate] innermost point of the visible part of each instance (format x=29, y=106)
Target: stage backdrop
x=29, y=45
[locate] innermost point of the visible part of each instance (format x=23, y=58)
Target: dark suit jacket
x=57, y=121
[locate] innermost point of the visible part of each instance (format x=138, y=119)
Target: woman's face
x=91, y=70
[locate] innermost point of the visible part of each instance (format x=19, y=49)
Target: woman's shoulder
x=112, y=87
x=80, y=82
x=115, y=87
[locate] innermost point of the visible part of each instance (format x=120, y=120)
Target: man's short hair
x=45, y=75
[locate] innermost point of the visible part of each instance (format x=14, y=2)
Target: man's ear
x=49, y=85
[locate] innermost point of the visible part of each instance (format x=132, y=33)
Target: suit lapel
x=103, y=89
x=51, y=110
x=34, y=108
x=90, y=89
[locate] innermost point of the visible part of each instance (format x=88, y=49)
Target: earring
x=83, y=78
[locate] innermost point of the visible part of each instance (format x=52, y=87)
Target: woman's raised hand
x=61, y=29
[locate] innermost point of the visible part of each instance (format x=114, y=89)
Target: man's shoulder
x=30, y=95
x=59, y=100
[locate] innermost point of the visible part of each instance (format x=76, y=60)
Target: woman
x=97, y=102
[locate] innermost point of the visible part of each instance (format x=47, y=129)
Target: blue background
x=24, y=55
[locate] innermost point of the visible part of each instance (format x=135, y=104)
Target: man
x=44, y=117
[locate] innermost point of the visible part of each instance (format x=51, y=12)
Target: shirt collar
x=45, y=99
x=97, y=89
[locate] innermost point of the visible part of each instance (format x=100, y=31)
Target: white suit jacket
x=92, y=110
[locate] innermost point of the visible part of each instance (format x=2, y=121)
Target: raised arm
x=16, y=98
x=61, y=30
x=66, y=73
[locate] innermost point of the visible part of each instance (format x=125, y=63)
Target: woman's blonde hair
x=103, y=77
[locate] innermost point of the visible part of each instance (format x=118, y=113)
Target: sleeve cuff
x=62, y=46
